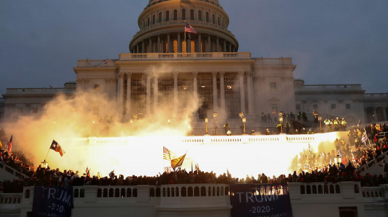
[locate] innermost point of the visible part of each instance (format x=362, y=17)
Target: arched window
x=214, y=19
x=191, y=14
x=167, y=15
x=207, y=17
x=219, y=23
x=148, y=24
x=153, y=19
x=175, y=15
x=183, y=14
x=160, y=17
x=200, y=15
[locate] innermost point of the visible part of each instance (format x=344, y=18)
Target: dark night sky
x=330, y=41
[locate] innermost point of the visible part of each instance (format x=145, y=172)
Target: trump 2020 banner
x=262, y=200
x=52, y=201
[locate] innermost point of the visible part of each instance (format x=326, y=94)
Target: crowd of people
x=308, y=167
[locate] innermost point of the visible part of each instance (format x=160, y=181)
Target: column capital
x=175, y=74
x=129, y=74
x=249, y=73
x=241, y=73
x=120, y=75
x=195, y=74
x=222, y=73
x=214, y=73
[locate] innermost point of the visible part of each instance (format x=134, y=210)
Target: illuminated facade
x=165, y=65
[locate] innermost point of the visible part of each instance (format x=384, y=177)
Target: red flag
x=10, y=144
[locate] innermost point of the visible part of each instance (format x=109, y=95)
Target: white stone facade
x=165, y=62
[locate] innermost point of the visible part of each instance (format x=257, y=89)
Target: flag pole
x=47, y=154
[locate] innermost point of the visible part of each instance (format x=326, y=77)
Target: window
x=160, y=17
x=148, y=24
x=207, y=17
x=347, y=106
x=272, y=85
x=167, y=15
x=297, y=106
x=200, y=15
x=214, y=19
x=97, y=88
x=183, y=14
x=153, y=19
x=191, y=14
x=274, y=109
x=333, y=106
x=34, y=110
x=219, y=23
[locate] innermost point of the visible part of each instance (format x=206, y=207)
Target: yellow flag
x=178, y=161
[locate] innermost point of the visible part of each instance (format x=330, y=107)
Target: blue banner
x=52, y=201
x=261, y=200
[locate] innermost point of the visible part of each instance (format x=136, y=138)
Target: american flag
x=168, y=155
x=190, y=29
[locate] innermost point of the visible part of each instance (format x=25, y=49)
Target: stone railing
x=330, y=87
x=375, y=95
x=182, y=56
x=273, y=61
x=201, y=199
x=372, y=162
x=11, y=170
x=345, y=189
x=10, y=198
x=38, y=90
x=251, y=139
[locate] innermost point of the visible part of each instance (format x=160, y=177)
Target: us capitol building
x=164, y=63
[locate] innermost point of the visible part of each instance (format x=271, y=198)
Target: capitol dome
x=162, y=28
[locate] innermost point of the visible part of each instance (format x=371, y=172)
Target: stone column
x=148, y=93
x=224, y=46
x=218, y=44
x=158, y=47
x=179, y=43
x=169, y=43
x=128, y=104
x=120, y=93
x=209, y=43
x=215, y=97
x=242, y=92
x=188, y=46
x=142, y=47
x=162, y=46
x=137, y=48
x=230, y=47
x=175, y=92
x=222, y=91
x=195, y=90
x=149, y=45
x=199, y=43
x=156, y=91
x=250, y=94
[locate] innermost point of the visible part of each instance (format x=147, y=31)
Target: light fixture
x=229, y=87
